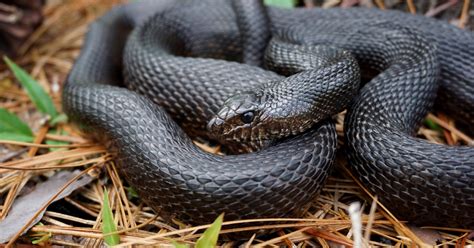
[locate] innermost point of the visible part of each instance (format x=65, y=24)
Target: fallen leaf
x=25, y=206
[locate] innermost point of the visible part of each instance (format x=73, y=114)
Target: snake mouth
x=243, y=133
x=216, y=128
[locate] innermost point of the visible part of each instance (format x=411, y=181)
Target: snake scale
x=179, y=58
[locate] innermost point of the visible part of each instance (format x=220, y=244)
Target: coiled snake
x=174, y=56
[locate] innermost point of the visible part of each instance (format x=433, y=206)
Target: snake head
x=263, y=116
x=236, y=119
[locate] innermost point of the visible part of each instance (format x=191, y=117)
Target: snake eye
x=247, y=117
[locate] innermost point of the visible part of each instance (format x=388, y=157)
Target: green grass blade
x=281, y=3
x=131, y=192
x=433, y=125
x=36, y=93
x=61, y=118
x=210, y=236
x=56, y=142
x=12, y=128
x=44, y=238
x=108, y=224
x=16, y=137
x=179, y=245
x=12, y=124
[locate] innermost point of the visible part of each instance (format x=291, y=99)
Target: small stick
x=464, y=14
x=455, y=131
x=411, y=6
x=380, y=4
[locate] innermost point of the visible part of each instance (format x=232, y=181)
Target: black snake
x=175, y=58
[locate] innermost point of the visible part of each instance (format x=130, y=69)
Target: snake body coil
x=424, y=182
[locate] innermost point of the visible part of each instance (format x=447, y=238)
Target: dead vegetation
x=76, y=219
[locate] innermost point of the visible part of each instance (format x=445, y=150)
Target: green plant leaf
x=56, y=142
x=16, y=137
x=433, y=125
x=108, y=224
x=179, y=245
x=210, y=236
x=45, y=236
x=12, y=128
x=60, y=118
x=36, y=93
x=42, y=239
x=131, y=192
x=281, y=3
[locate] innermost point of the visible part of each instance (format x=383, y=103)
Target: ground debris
x=49, y=55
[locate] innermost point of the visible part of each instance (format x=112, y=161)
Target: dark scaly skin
x=170, y=173
x=321, y=82
x=431, y=184
x=173, y=175
x=253, y=23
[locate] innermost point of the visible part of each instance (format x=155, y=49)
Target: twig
x=411, y=6
x=464, y=14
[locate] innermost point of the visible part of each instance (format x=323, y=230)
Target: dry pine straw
x=50, y=55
